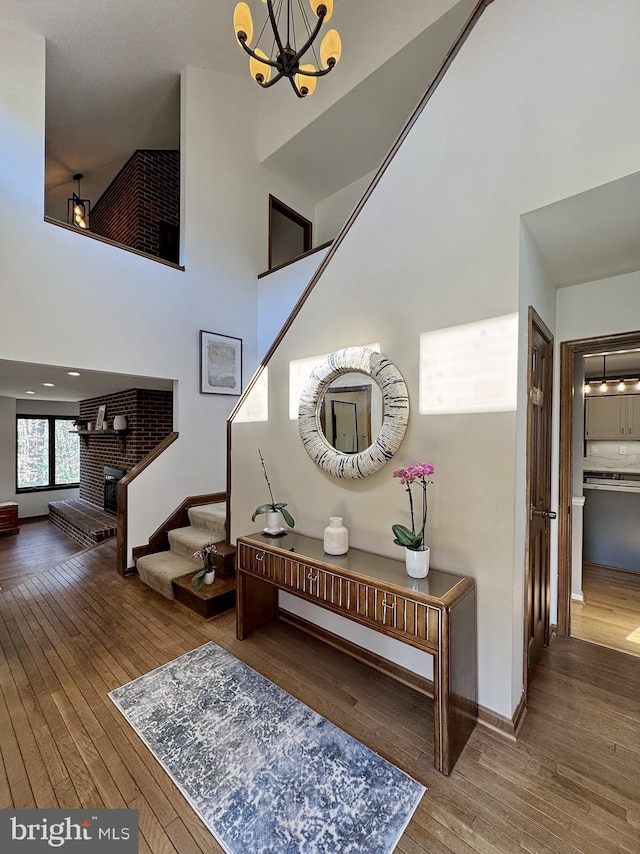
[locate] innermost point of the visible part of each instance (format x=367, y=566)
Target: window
x=48, y=455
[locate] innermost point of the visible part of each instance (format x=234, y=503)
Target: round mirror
x=353, y=412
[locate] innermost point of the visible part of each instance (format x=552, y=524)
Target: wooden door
x=540, y=380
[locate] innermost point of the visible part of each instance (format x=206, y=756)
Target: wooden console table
x=436, y=614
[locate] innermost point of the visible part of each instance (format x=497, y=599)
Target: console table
x=436, y=614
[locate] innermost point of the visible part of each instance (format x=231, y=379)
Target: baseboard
x=506, y=727
x=577, y=597
x=24, y=520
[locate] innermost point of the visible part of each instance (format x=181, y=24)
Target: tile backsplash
x=607, y=455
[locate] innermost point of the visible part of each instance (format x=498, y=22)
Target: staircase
x=207, y=525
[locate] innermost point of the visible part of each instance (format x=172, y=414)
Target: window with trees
x=48, y=455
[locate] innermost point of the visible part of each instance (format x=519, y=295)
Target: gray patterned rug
x=264, y=772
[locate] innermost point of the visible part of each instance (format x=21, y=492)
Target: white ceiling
x=16, y=378
x=590, y=236
x=113, y=86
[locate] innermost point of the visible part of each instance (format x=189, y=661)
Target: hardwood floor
x=37, y=547
x=68, y=636
x=610, y=613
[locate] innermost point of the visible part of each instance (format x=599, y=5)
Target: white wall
x=278, y=294
x=332, y=213
x=438, y=245
x=64, y=291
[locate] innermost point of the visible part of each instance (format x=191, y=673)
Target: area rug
x=265, y=773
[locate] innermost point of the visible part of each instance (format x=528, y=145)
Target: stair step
x=157, y=570
x=185, y=541
x=211, y=518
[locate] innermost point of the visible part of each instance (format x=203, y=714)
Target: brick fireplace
x=149, y=416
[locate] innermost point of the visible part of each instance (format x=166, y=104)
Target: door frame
x=569, y=350
x=534, y=321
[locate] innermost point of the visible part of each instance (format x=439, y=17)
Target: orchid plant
x=274, y=506
x=206, y=555
x=412, y=539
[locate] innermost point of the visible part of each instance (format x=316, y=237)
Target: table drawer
x=369, y=604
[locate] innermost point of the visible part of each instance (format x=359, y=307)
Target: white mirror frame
x=395, y=412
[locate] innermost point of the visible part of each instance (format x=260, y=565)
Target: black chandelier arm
x=261, y=59
x=295, y=88
x=274, y=25
x=273, y=80
x=305, y=47
x=319, y=73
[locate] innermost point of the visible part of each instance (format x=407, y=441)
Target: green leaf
x=405, y=537
x=264, y=508
x=288, y=518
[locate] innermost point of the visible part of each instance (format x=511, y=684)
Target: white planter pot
x=274, y=522
x=209, y=577
x=417, y=562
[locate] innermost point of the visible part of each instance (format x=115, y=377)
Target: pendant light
x=292, y=35
x=604, y=387
x=77, y=207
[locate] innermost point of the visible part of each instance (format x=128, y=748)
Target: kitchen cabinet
x=613, y=416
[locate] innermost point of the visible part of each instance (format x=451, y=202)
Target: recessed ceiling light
x=49, y=385
x=29, y=392
x=74, y=373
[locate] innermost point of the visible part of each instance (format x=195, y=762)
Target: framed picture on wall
x=102, y=411
x=220, y=363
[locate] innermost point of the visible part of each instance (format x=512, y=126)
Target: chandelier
x=290, y=26
x=78, y=208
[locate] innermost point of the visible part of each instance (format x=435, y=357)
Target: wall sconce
x=78, y=209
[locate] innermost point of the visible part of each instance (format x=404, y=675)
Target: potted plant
x=416, y=552
x=207, y=574
x=273, y=509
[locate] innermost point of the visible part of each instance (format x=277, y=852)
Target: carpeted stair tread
x=210, y=517
x=185, y=541
x=157, y=570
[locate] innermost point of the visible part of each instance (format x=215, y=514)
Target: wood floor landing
x=610, y=613
x=68, y=636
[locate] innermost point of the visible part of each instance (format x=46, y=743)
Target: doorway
x=610, y=593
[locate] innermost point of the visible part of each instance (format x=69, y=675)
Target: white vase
x=120, y=422
x=209, y=577
x=274, y=522
x=336, y=537
x=417, y=562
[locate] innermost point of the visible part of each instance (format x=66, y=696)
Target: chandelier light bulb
x=621, y=385
x=305, y=83
x=604, y=386
x=243, y=23
x=260, y=71
x=330, y=49
x=317, y=6
x=587, y=388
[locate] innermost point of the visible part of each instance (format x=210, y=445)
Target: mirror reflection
x=350, y=412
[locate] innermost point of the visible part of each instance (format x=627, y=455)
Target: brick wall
x=145, y=193
x=149, y=419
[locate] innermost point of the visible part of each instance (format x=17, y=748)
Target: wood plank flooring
x=610, y=613
x=68, y=636
x=38, y=546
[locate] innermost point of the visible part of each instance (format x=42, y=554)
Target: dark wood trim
x=568, y=352
x=305, y=224
x=106, y=240
x=123, y=500
x=473, y=19
x=606, y=566
x=535, y=322
x=159, y=540
x=293, y=260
